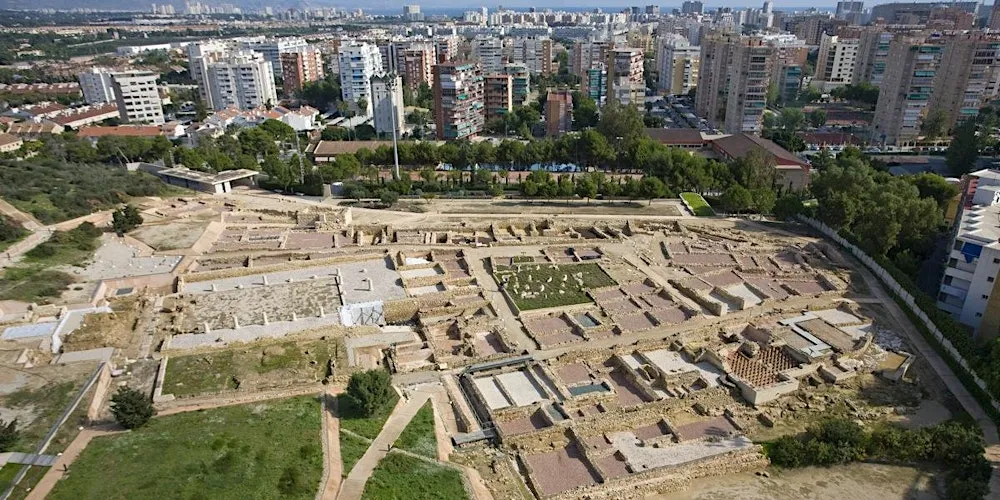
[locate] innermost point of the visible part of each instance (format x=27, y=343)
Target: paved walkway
x=56, y=472
x=513, y=327
x=354, y=485
x=333, y=461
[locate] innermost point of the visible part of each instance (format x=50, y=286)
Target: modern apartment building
x=906, y=90
x=969, y=66
x=595, y=84
x=586, y=55
x=873, y=52
x=458, y=99
x=387, y=103
x=418, y=60
x=677, y=61
x=969, y=287
x=298, y=68
x=534, y=52
x=272, y=48
x=138, y=97
x=836, y=62
x=359, y=62
x=488, y=51
x=558, y=112
x=243, y=79
x=446, y=48
x=625, y=76
x=96, y=85
x=499, y=95
x=733, y=81
x=521, y=81
x=200, y=56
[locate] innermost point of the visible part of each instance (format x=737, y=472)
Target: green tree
x=125, y=219
x=817, y=117
x=586, y=188
x=370, y=392
x=787, y=207
x=131, y=408
x=934, y=124
x=963, y=151
x=388, y=197
x=585, y=112
x=791, y=119
x=652, y=187
x=620, y=124
x=736, y=199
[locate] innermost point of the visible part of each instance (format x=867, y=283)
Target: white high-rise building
x=138, y=97
x=242, y=80
x=534, y=52
x=272, y=48
x=678, y=62
x=359, y=62
x=387, y=103
x=489, y=52
x=200, y=56
x=97, y=86
x=835, y=62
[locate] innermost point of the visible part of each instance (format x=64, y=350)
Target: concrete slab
x=521, y=387
x=29, y=331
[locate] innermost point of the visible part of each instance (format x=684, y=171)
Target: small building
x=34, y=130
x=327, y=151
x=687, y=138
x=10, y=143
x=219, y=183
x=170, y=130
x=794, y=171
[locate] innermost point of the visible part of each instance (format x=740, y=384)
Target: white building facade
x=96, y=85
x=387, y=103
x=244, y=80
x=138, y=97
x=489, y=52
x=359, y=62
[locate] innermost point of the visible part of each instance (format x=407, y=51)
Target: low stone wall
x=274, y=268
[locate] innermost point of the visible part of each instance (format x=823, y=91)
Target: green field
x=46, y=403
x=351, y=450
x=698, y=204
x=277, y=363
x=262, y=450
x=400, y=476
x=352, y=420
x=418, y=436
x=561, y=287
x=33, y=277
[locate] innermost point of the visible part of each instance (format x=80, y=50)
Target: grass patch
x=260, y=450
x=221, y=370
x=351, y=450
x=47, y=403
x=698, y=204
x=418, y=436
x=560, y=282
x=351, y=417
x=28, y=482
x=33, y=277
x=10, y=232
x=402, y=476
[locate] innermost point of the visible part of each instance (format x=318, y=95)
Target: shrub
x=131, y=408
x=9, y=435
x=370, y=391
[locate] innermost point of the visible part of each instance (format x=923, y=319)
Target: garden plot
x=537, y=286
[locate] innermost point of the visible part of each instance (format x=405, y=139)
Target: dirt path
x=941, y=368
x=27, y=220
x=56, y=472
x=333, y=461
x=508, y=316
x=354, y=485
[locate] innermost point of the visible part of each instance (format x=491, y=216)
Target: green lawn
x=401, y=477
x=33, y=278
x=418, y=436
x=261, y=450
x=351, y=419
x=29, y=481
x=698, y=204
x=351, y=450
x=561, y=287
x=201, y=373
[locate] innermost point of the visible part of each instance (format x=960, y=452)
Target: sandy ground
x=884, y=482
x=170, y=236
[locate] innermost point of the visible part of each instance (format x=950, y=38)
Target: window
x=952, y=262
x=979, y=315
x=986, y=297
x=947, y=280
x=996, y=260
x=990, y=279
x=958, y=245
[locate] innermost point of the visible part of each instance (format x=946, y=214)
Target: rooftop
x=981, y=224
x=326, y=148
x=739, y=145
x=7, y=139
x=205, y=177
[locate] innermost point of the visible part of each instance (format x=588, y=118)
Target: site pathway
x=949, y=378
x=334, y=464
x=55, y=473
x=354, y=485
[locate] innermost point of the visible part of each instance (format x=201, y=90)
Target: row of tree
x=956, y=448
